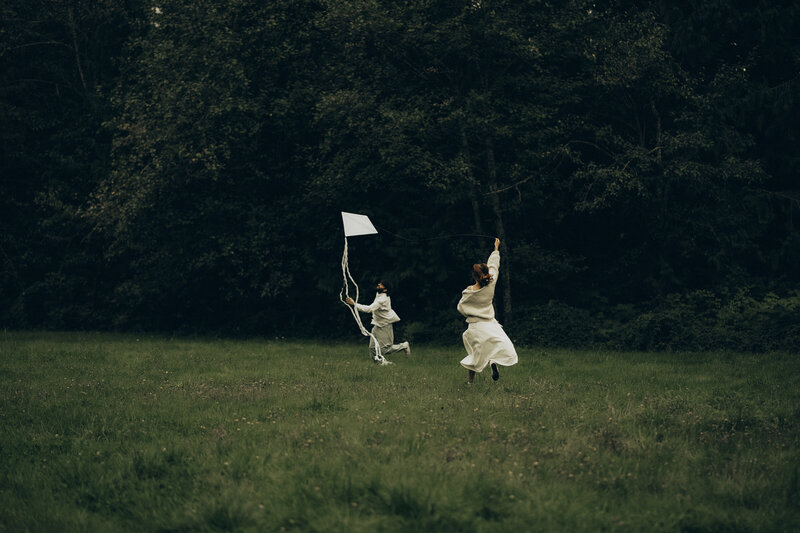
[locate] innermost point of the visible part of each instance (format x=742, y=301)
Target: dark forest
x=180, y=166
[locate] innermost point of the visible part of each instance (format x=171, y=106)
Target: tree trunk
x=74, y=32
x=473, y=184
x=658, y=129
x=505, y=271
x=491, y=167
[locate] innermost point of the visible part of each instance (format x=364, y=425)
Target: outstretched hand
x=349, y=301
x=496, y=244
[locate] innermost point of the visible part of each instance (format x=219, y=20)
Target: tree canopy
x=180, y=165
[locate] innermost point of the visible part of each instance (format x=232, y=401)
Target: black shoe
x=495, y=372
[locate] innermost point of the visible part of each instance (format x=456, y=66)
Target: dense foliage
x=181, y=165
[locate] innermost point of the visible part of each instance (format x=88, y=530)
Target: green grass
x=107, y=432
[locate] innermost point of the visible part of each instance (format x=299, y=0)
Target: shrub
x=553, y=324
x=702, y=320
x=698, y=320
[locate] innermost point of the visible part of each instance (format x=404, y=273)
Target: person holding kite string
x=382, y=319
x=484, y=339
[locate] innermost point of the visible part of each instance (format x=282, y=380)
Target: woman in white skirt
x=485, y=341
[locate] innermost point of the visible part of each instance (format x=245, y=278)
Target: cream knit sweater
x=381, y=309
x=476, y=305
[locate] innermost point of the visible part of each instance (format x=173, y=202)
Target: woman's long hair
x=480, y=273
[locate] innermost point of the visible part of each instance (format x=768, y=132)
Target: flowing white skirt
x=486, y=343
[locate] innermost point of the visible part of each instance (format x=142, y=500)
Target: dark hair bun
x=480, y=273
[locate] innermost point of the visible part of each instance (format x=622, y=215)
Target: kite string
x=434, y=238
x=354, y=311
x=346, y=293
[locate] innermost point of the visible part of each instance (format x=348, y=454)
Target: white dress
x=484, y=339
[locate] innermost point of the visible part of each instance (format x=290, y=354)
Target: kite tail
x=344, y=293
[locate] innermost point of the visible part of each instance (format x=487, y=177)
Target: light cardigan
x=476, y=305
x=381, y=309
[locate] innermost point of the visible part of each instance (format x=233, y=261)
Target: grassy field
x=123, y=433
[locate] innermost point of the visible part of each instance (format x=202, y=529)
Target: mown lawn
x=105, y=432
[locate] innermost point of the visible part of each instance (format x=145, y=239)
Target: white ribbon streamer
x=345, y=293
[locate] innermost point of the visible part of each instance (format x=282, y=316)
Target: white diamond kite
x=355, y=225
